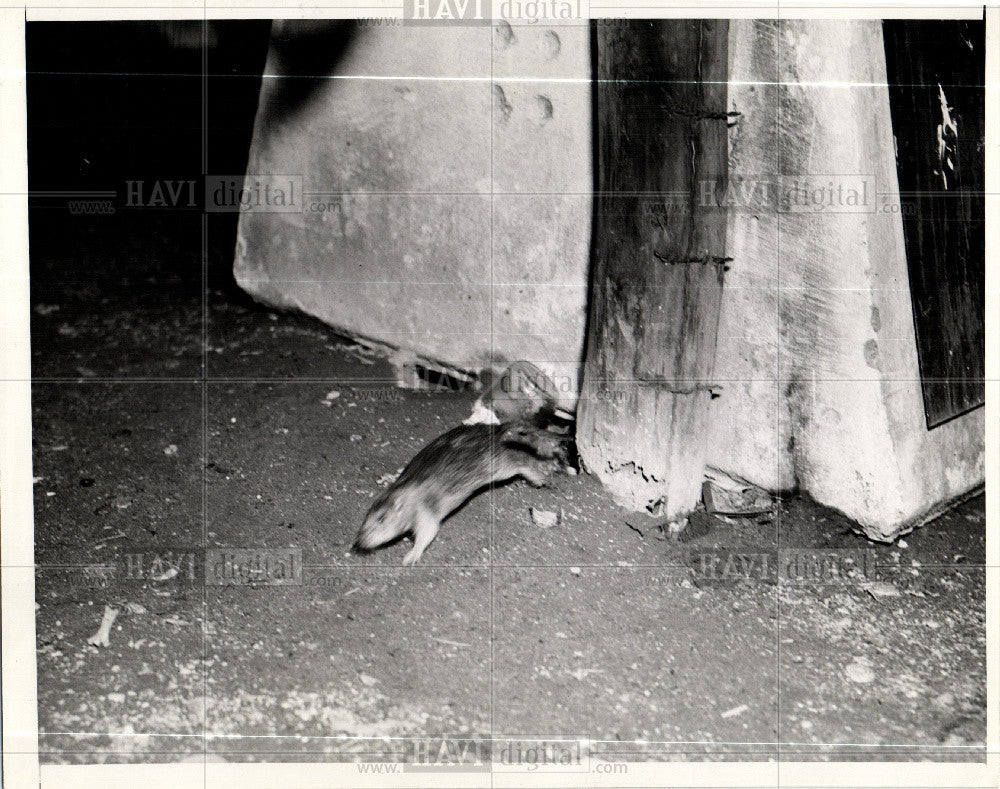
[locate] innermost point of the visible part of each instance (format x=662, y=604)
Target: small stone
x=544, y=519
x=170, y=450
x=575, y=570
x=879, y=589
x=367, y=680
x=116, y=698
x=860, y=671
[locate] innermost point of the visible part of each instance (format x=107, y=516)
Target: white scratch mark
x=948, y=126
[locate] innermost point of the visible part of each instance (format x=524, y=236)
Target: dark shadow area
x=936, y=71
x=124, y=121
x=307, y=50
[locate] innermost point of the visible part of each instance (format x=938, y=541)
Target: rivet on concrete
x=542, y=111
x=503, y=107
x=551, y=45
x=871, y=355
x=505, y=34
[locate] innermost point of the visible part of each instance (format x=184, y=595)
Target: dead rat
x=448, y=471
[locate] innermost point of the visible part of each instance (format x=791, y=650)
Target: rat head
x=385, y=521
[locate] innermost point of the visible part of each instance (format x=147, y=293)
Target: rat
x=449, y=471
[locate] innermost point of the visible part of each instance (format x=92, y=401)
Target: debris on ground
x=725, y=495
x=879, y=589
x=102, y=637
x=544, y=519
x=449, y=642
x=860, y=671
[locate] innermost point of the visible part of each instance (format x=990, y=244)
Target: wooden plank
x=936, y=70
x=662, y=138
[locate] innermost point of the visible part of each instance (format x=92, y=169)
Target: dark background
x=112, y=102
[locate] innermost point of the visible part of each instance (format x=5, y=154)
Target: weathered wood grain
x=659, y=259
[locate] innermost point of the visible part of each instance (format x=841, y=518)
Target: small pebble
x=859, y=671
x=544, y=519
x=879, y=589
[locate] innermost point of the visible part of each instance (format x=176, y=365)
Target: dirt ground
x=280, y=435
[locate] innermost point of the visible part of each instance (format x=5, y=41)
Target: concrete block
x=459, y=186
x=852, y=430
